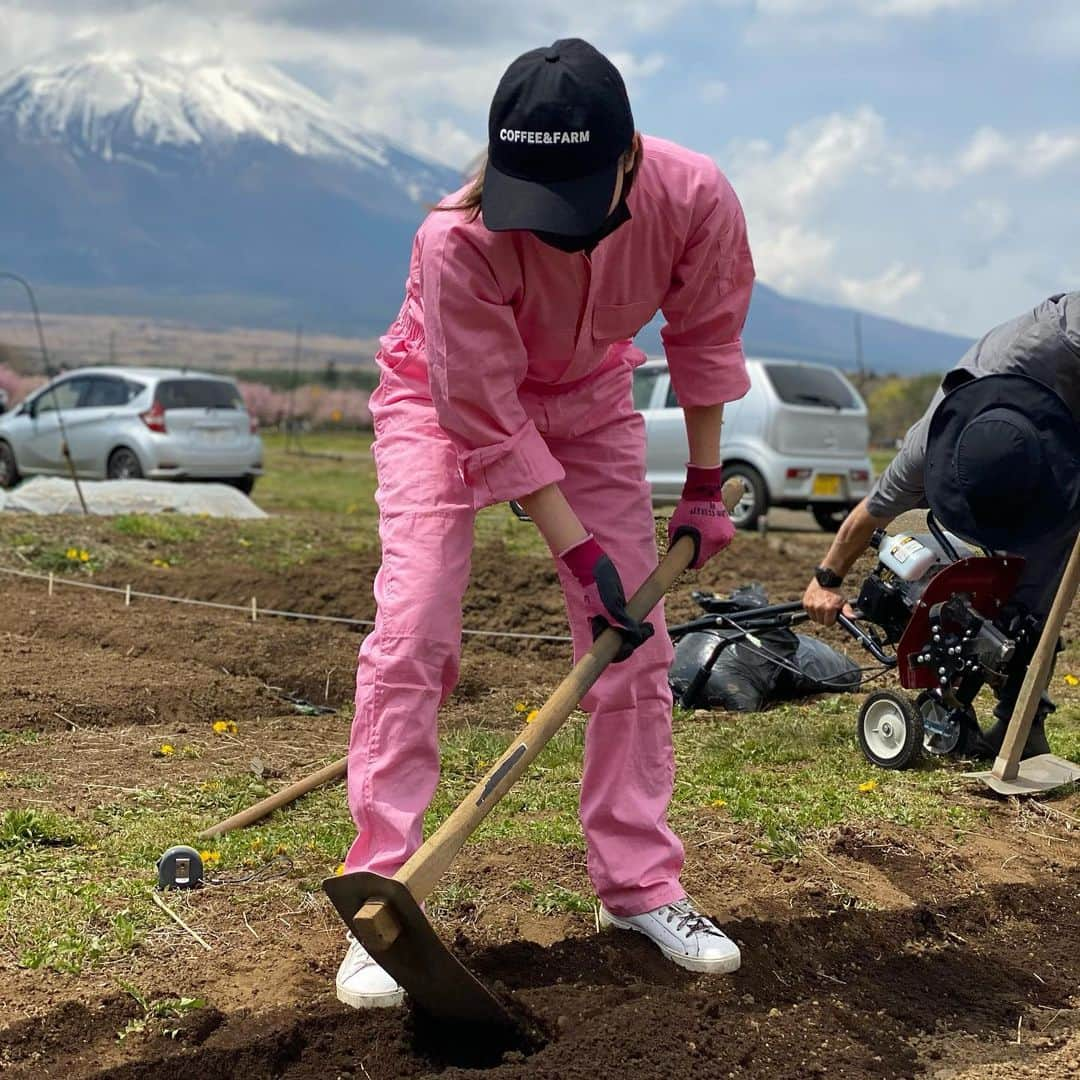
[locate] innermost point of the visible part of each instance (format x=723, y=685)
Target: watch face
x=827, y=579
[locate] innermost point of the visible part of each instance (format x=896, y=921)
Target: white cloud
x=884, y=292
x=815, y=158
x=786, y=190
x=991, y=219
x=989, y=150
x=713, y=92
x=878, y=8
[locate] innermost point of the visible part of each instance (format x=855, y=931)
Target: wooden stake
x=127, y=596
x=1007, y=764
x=254, y=609
x=50, y=583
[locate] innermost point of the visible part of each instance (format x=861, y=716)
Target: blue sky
x=917, y=158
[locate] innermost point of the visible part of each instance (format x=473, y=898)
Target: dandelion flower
x=1072, y=680
x=166, y=750
x=210, y=858
x=870, y=785
x=73, y=554
x=84, y=555
x=718, y=803
x=532, y=716
x=340, y=870
x=520, y=706
x=225, y=727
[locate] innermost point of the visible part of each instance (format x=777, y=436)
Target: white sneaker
x=362, y=984
x=684, y=936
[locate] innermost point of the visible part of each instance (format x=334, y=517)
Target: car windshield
x=805, y=384
x=644, y=381
x=198, y=394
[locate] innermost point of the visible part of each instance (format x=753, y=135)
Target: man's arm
x=901, y=487
x=823, y=605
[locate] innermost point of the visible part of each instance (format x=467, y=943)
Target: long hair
x=469, y=203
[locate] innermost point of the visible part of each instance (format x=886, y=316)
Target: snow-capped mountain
x=208, y=178
x=110, y=105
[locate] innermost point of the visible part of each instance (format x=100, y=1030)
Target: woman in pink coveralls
x=507, y=375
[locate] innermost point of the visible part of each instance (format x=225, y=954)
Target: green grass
x=166, y=528
x=75, y=892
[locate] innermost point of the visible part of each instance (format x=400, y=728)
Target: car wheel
x=828, y=516
x=755, y=500
x=246, y=484
x=9, y=470
x=123, y=465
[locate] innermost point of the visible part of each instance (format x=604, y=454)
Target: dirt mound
x=853, y=994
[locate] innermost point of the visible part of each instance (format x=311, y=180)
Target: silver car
x=799, y=438
x=126, y=423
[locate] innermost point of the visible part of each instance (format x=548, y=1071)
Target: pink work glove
x=605, y=600
x=701, y=514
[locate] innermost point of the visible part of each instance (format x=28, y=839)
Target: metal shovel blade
x=1044, y=772
x=421, y=963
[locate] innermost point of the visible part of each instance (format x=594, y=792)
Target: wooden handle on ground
x=1007, y=764
x=334, y=771
x=431, y=860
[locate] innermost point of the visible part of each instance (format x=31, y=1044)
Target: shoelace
x=690, y=921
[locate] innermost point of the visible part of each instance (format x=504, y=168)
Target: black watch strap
x=828, y=579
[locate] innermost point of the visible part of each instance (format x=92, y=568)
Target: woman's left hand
x=701, y=514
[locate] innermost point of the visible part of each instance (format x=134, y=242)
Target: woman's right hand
x=821, y=604
x=604, y=596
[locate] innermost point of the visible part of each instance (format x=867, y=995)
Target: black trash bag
x=744, y=677
x=823, y=669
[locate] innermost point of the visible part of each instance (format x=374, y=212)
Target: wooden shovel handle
x=1007, y=765
x=431, y=860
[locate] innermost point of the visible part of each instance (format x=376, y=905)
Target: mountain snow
x=111, y=103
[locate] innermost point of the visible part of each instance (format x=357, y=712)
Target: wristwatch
x=828, y=579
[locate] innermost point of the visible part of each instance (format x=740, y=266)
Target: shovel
x=384, y=914
x=1010, y=775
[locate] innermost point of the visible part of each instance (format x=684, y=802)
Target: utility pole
x=860, y=366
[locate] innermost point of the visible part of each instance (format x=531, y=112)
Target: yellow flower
x=166, y=749
x=257, y=842
x=1072, y=680
x=210, y=858
x=520, y=706
x=532, y=716
x=161, y=563
x=84, y=555
x=243, y=542
x=225, y=727
x=73, y=554
x=340, y=870
x=870, y=785
x=719, y=803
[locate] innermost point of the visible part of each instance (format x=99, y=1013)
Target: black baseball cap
x=559, y=122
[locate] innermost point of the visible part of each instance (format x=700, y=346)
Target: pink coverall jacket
x=509, y=368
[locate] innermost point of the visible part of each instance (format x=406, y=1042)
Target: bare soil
x=882, y=953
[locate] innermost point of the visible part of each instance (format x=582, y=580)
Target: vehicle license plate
x=827, y=484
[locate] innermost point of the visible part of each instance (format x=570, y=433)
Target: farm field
x=892, y=924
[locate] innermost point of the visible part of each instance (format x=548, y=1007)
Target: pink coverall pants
x=409, y=664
